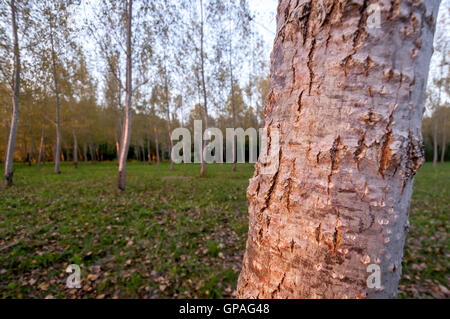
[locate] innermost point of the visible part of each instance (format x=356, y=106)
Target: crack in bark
x=395, y=8
x=337, y=237
x=359, y=31
x=334, y=161
x=415, y=156
x=386, y=152
x=305, y=15
x=299, y=105
x=325, y=22
x=309, y=64
x=288, y=193
x=293, y=70
x=357, y=36
x=274, y=181
x=368, y=64
x=278, y=289
x=360, y=150
x=318, y=233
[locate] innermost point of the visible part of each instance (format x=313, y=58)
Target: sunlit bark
x=348, y=101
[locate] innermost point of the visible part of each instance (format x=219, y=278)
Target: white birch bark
x=9, y=158
x=126, y=133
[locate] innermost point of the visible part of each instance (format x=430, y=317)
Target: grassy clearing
x=172, y=234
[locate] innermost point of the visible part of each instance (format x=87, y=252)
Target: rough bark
x=9, y=158
x=126, y=133
x=348, y=102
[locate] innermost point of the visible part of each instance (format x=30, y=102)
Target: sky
x=265, y=20
x=264, y=12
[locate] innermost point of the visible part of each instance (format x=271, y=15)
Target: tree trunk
x=233, y=109
x=31, y=154
x=169, y=129
x=41, y=147
x=91, y=152
x=347, y=100
x=444, y=139
x=75, y=149
x=44, y=152
x=9, y=158
x=205, y=97
x=435, y=142
x=126, y=134
x=85, y=153
x=117, y=145
x=157, y=146
x=58, y=108
x=149, y=151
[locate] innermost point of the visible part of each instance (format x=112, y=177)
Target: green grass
x=171, y=234
x=427, y=254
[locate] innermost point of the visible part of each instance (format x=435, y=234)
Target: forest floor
x=170, y=235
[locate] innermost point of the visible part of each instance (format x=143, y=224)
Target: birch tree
x=125, y=42
x=53, y=27
x=15, y=89
x=347, y=99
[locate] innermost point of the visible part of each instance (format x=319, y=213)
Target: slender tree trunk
x=31, y=154
x=444, y=139
x=435, y=142
x=347, y=100
x=126, y=134
x=149, y=151
x=9, y=157
x=44, y=154
x=58, y=108
x=75, y=148
x=91, y=152
x=85, y=156
x=233, y=168
x=157, y=146
x=205, y=96
x=117, y=149
x=41, y=147
x=166, y=90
